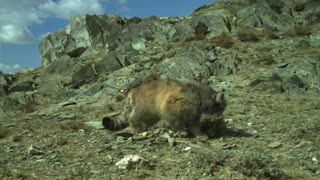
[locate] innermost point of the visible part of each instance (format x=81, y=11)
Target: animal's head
x=213, y=102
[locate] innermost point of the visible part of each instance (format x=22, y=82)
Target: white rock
x=129, y=160
x=314, y=159
x=32, y=150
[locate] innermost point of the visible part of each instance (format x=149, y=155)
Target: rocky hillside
x=263, y=54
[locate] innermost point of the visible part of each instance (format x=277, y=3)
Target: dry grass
x=73, y=126
x=302, y=30
x=195, y=38
x=247, y=35
x=258, y=164
x=62, y=142
x=223, y=40
x=29, y=107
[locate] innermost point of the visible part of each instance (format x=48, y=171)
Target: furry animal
x=180, y=105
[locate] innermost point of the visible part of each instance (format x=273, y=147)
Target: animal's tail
x=114, y=124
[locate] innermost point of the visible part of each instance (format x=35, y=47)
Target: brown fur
x=179, y=105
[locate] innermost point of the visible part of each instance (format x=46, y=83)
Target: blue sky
x=24, y=22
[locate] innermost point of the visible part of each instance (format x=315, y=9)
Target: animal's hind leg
x=136, y=121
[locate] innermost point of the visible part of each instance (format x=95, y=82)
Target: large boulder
x=84, y=31
x=196, y=62
x=272, y=14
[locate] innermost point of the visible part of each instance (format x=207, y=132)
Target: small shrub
x=247, y=35
x=255, y=163
x=307, y=131
x=224, y=40
x=210, y=162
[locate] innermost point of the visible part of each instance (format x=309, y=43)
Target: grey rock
x=52, y=47
x=15, y=101
x=109, y=63
x=22, y=86
x=94, y=89
x=76, y=52
x=3, y=80
x=85, y=74
x=296, y=81
x=171, y=142
x=275, y=144
x=139, y=44
x=212, y=23
x=267, y=14
x=84, y=31
x=95, y=124
x=201, y=29
x=64, y=94
x=3, y=90
x=134, y=20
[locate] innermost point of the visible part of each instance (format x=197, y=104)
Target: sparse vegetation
x=29, y=107
x=62, y=142
x=256, y=163
x=73, y=126
x=224, y=40
x=312, y=18
x=195, y=38
x=272, y=35
x=4, y=132
x=16, y=138
x=247, y=35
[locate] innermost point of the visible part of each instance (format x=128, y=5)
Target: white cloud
x=17, y=15
x=9, y=69
x=65, y=8
x=13, y=33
